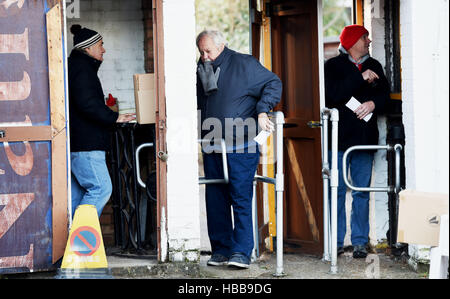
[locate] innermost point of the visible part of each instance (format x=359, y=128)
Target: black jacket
x=90, y=119
x=344, y=80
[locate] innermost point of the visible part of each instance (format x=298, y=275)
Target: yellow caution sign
x=85, y=250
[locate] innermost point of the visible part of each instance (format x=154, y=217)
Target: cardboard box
x=419, y=217
x=145, y=98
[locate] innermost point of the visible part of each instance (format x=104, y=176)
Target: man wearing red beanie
x=355, y=74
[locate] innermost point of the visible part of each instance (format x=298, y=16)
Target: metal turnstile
x=278, y=181
x=331, y=179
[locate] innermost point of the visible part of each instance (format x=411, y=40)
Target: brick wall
x=127, y=30
x=374, y=21
x=120, y=22
x=425, y=58
x=107, y=224
x=183, y=216
x=148, y=38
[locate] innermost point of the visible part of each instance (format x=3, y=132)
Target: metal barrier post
x=255, y=251
x=279, y=189
x=326, y=181
x=334, y=189
x=330, y=179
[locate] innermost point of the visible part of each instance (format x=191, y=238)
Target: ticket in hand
x=262, y=137
x=353, y=104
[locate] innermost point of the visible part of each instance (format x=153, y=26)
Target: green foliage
x=336, y=15
x=231, y=17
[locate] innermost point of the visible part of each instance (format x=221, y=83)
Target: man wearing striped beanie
x=354, y=74
x=90, y=121
x=88, y=41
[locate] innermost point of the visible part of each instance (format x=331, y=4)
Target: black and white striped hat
x=83, y=37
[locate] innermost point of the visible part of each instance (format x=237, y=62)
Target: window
x=336, y=15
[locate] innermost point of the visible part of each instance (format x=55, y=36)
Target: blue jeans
x=91, y=184
x=238, y=193
x=360, y=165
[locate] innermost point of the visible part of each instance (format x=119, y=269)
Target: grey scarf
x=361, y=61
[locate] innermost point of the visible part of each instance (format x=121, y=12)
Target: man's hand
x=364, y=109
x=265, y=123
x=370, y=76
x=208, y=77
x=127, y=117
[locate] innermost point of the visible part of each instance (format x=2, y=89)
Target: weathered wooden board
x=33, y=153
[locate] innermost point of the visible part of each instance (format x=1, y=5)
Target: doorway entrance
x=295, y=59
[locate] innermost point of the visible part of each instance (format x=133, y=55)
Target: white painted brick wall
x=120, y=22
x=425, y=75
x=425, y=92
x=183, y=206
x=374, y=14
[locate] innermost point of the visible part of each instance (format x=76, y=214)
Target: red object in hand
x=111, y=101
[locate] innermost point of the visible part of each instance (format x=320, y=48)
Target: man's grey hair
x=216, y=36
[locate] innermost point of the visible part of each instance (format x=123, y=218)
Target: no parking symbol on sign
x=85, y=241
x=85, y=247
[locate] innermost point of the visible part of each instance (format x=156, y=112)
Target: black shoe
x=359, y=252
x=340, y=251
x=217, y=260
x=239, y=261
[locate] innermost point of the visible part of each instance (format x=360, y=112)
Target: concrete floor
x=376, y=266
x=296, y=266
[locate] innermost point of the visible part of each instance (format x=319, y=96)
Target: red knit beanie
x=351, y=34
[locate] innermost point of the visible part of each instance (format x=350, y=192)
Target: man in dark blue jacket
x=234, y=92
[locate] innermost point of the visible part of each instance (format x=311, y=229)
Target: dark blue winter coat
x=245, y=89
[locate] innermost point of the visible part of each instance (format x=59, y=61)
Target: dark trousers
x=238, y=193
x=360, y=165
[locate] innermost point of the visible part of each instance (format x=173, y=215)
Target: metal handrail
x=397, y=148
x=225, y=180
x=264, y=179
x=138, y=170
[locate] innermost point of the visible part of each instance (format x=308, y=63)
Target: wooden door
x=33, y=151
x=160, y=129
x=295, y=58
x=262, y=230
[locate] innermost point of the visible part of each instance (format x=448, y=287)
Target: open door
x=255, y=41
x=33, y=149
x=160, y=130
x=295, y=59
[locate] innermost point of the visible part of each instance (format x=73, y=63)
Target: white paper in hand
x=353, y=104
x=262, y=137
